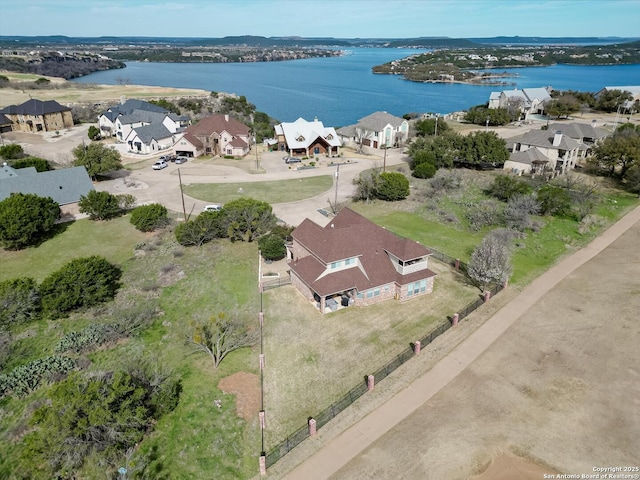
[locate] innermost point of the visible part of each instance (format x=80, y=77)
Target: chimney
x=123, y=99
x=226, y=117
x=557, y=138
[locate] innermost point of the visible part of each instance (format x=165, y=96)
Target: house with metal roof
x=307, y=139
x=353, y=262
x=377, y=130
x=37, y=116
x=65, y=186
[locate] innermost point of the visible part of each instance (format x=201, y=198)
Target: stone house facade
x=35, y=116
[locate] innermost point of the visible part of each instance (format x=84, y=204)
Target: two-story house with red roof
x=353, y=261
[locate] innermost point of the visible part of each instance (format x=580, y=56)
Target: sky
x=321, y=18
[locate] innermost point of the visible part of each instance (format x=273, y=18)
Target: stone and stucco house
x=539, y=151
x=352, y=261
x=215, y=135
x=378, y=130
x=35, y=116
x=528, y=101
x=307, y=139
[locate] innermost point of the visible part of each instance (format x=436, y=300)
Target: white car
x=160, y=164
x=214, y=207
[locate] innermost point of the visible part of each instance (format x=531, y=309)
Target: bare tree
x=362, y=135
x=490, y=261
x=220, y=335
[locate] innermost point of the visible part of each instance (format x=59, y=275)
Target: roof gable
x=218, y=124
x=350, y=235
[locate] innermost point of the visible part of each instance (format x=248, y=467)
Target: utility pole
x=184, y=209
x=335, y=201
x=384, y=160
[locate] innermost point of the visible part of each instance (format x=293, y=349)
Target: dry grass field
x=312, y=360
x=66, y=92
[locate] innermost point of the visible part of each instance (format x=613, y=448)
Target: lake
x=341, y=90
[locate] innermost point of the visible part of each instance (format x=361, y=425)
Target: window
x=335, y=265
x=350, y=261
x=417, y=287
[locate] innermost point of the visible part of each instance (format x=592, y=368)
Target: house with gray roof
x=587, y=135
x=353, y=262
x=377, y=130
x=553, y=153
x=35, y=116
x=150, y=138
x=527, y=101
x=65, y=186
x=119, y=120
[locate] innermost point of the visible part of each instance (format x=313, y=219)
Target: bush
x=392, y=187
x=93, y=133
x=246, y=219
x=205, y=227
x=40, y=164
x=104, y=413
x=484, y=214
x=83, y=282
x=505, y=187
x=100, y=205
x=424, y=170
x=554, y=200
x=25, y=219
x=19, y=301
x=11, y=151
x=272, y=247
x=147, y=218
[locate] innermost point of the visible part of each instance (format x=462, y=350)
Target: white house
x=529, y=101
x=150, y=138
x=303, y=138
x=378, y=130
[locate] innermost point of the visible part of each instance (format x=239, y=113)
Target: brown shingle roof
x=218, y=124
x=351, y=235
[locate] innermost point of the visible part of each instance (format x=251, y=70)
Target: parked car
x=214, y=207
x=181, y=160
x=291, y=160
x=165, y=158
x=160, y=164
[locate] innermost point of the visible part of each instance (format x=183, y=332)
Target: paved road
x=339, y=451
x=163, y=186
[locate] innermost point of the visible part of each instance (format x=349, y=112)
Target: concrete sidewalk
x=346, y=446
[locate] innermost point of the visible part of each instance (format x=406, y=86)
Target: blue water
x=341, y=90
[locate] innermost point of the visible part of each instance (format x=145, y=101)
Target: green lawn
x=271, y=192
x=112, y=239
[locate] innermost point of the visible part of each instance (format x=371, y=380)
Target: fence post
x=454, y=319
x=416, y=349
x=506, y=283
x=261, y=317
x=371, y=382
x=261, y=356
x=312, y=427
x=262, y=421
x=487, y=296
x=263, y=464
x=457, y=264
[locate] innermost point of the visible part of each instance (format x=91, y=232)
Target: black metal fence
x=356, y=392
